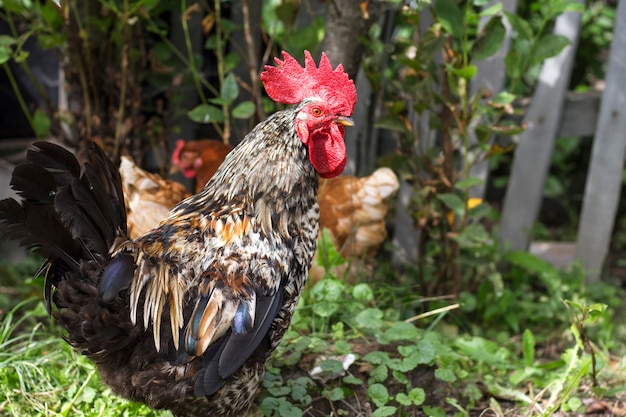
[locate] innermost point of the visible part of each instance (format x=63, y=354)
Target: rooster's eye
x=316, y=111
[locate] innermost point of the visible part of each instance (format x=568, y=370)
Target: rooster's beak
x=345, y=121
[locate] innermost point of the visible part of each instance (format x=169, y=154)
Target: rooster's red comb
x=290, y=83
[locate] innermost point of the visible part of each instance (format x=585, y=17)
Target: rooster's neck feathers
x=276, y=164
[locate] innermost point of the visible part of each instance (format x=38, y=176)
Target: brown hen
x=354, y=210
x=148, y=197
x=199, y=159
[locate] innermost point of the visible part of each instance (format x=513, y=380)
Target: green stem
x=20, y=97
x=192, y=60
x=219, y=52
x=68, y=406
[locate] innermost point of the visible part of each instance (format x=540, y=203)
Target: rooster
x=185, y=316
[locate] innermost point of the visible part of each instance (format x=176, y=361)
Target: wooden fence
x=554, y=112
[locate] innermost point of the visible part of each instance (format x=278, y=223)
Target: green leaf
x=520, y=26
x=306, y=37
x=391, y=123
x=513, y=64
x=403, y=399
x=244, y=110
x=352, y=380
x=425, y=352
x=401, y=330
x=445, y=374
x=327, y=295
x=332, y=365
x=567, y=6
x=472, y=236
x=483, y=350
x=385, y=411
x=466, y=72
x=417, y=396
x=468, y=182
x=378, y=374
x=574, y=403
x=205, y=113
x=363, y=293
x=504, y=97
x=230, y=89
x=6, y=40
x=528, y=347
x=528, y=262
x=5, y=53
x=335, y=394
x=491, y=10
x=162, y=52
x=376, y=357
x=41, y=123
x=434, y=411
x=370, y=318
x=450, y=16
x=453, y=202
x=489, y=40
x=21, y=56
x=341, y=346
x=548, y=46
x=595, y=311
x=231, y=61
x=378, y=394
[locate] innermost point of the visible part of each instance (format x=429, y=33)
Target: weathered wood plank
x=604, y=179
x=580, y=114
x=491, y=76
x=533, y=154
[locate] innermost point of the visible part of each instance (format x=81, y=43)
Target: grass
x=40, y=375
x=358, y=349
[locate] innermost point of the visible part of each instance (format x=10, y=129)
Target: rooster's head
x=328, y=98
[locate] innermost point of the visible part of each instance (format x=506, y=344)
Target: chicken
x=199, y=159
x=148, y=197
x=354, y=210
x=185, y=316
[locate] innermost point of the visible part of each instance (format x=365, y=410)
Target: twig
x=80, y=64
x=252, y=61
x=433, y=312
x=123, y=81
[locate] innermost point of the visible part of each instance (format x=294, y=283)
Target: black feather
x=102, y=167
x=103, y=227
x=36, y=226
x=116, y=276
x=239, y=347
x=77, y=222
x=209, y=381
x=108, y=206
x=33, y=182
x=61, y=163
x=228, y=354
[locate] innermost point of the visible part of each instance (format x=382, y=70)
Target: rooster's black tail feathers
x=67, y=215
